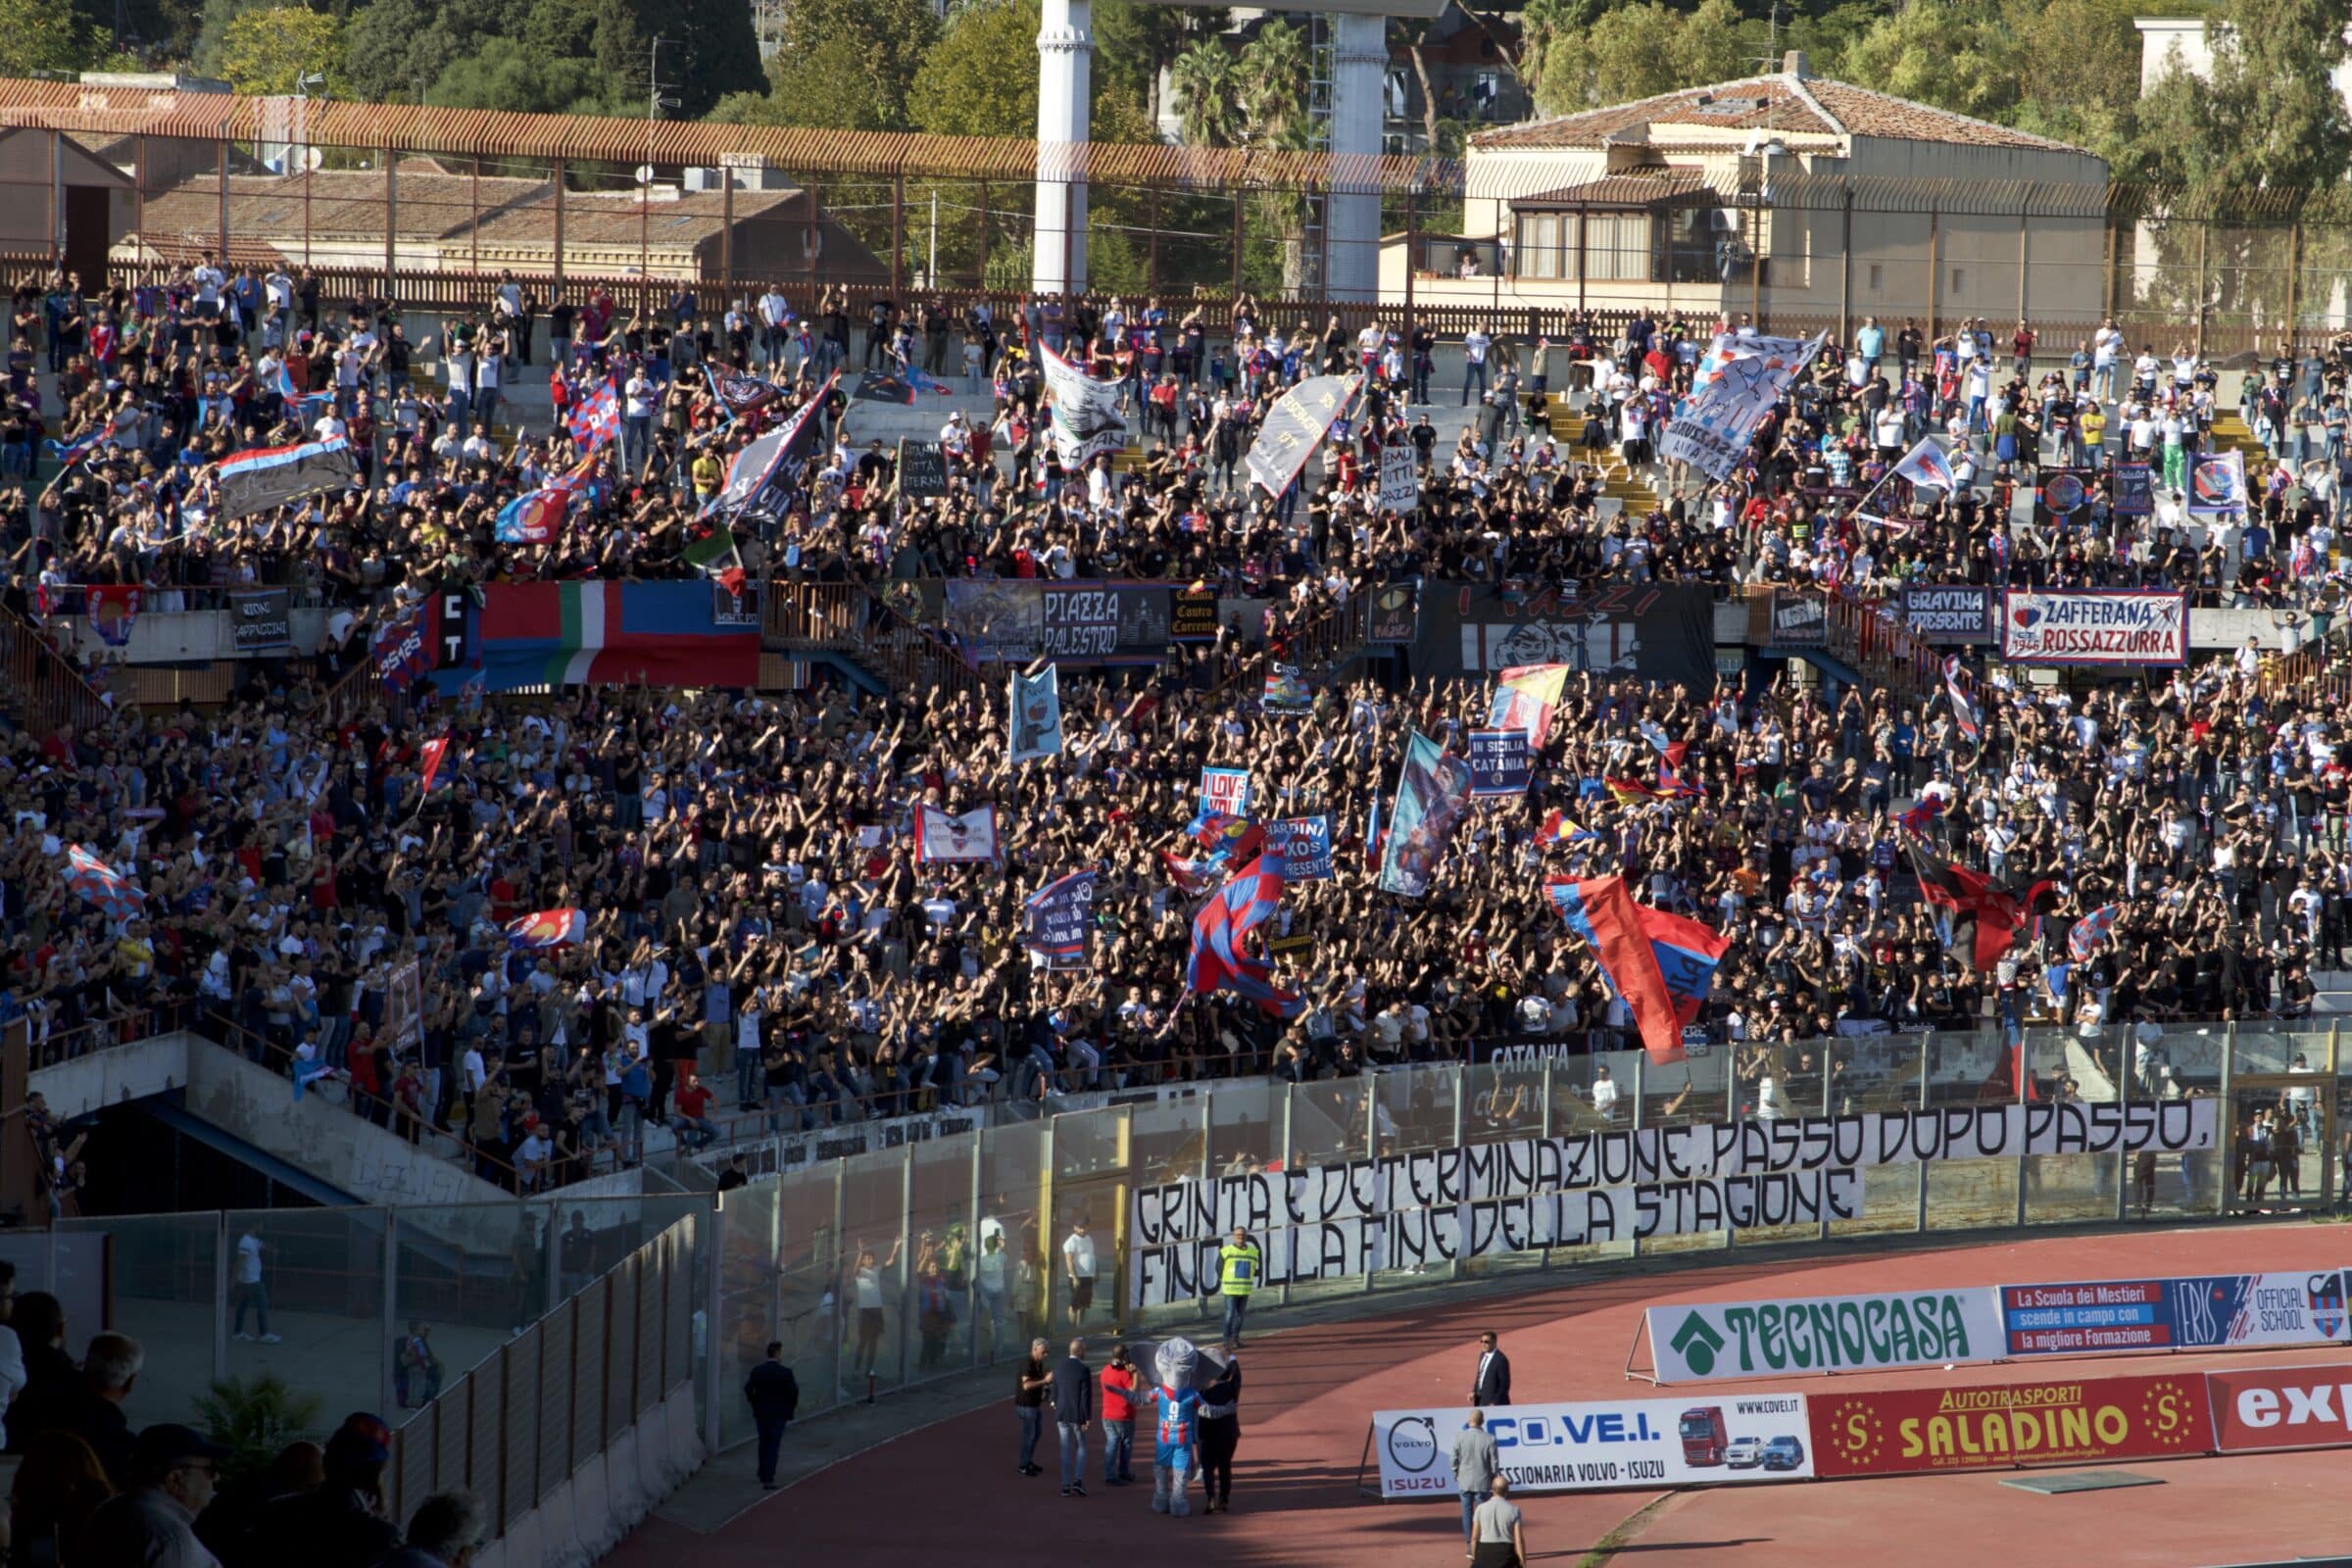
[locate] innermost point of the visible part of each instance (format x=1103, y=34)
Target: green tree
x=980, y=80
x=1958, y=56
x=272, y=50
x=395, y=50
x=41, y=35
x=1274, y=73
x=1635, y=51
x=1208, y=106
x=843, y=63
x=510, y=73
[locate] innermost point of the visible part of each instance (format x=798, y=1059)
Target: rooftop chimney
x=1793, y=65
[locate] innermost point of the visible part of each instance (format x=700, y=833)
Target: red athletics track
x=948, y=1491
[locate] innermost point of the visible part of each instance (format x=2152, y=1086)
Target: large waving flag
x=1928, y=465
x=1432, y=796
x=738, y=394
x=1964, y=711
x=596, y=420
x=81, y=446
x=1602, y=910
x=547, y=928
x=1061, y=921
x=101, y=885
x=1986, y=916
x=1525, y=698
x=269, y=477
x=1218, y=962
x=1686, y=953
x=536, y=517
x=1085, y=411
x=1034, y=715
x=774, y=458
x=2090, y=931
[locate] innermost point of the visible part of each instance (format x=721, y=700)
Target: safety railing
x=380, y=1108
x=507, y=1345
x=523, y=1421
x=50, y=691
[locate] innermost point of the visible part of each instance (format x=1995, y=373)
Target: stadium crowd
x=762, y=935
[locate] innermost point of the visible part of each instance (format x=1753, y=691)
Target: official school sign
x=1478, y=1200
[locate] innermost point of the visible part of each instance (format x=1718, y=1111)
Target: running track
x=949, y=1492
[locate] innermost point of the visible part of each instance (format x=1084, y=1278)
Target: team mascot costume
x=1175, y=1456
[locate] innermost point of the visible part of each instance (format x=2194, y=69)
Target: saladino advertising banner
x=1880, y=1432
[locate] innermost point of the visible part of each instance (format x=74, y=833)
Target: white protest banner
x=1399, y=478
x=1086, y=412
x=1592, y=1447
x=1477, y=1200
x=1713, y=427
x=1346, y=1238
x=970, y=837
x=1825, y=1334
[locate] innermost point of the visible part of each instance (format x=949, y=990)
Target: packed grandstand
x=529, y=851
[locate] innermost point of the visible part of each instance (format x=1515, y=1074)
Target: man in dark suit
x=775, y=1396
x=1491, y=1386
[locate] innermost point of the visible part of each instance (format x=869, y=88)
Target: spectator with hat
x=152, y=1525
x=341, y=1524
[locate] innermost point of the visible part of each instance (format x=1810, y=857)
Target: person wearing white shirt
x=1078, y=1266
x=1605, y=1093
x=1475, y=344
x=488, y=371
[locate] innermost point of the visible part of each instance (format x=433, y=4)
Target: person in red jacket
x=1118, y=1419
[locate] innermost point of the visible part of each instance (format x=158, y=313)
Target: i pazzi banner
x=1656, y=631
x=1593, y=1446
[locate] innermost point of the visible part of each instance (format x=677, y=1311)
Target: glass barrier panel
x=942, y=1270
x=155, y=1278
x=1970, y=1070
x=746, y=1313
x=808, y=1312
x=1330, y=1124
x=1880, y=1074
x=1012, y=1238
x=2071, y=1066
x=876, y=1265
x=314, y=1281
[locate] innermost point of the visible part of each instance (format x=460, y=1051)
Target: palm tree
x=1275, y=70
x=1203, y=79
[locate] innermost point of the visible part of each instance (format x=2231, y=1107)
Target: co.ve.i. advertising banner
x=1593, y=1446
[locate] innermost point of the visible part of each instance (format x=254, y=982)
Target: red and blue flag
x=596, y=420
x=547, y=928
x=2090, y=931
x=100, y=884
x=1219, y=964
x=1602, y=910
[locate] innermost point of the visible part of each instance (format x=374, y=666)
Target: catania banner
x=1590, y=1447
x=2001, y=1426
x=2094, y=627
x=1824, y=1333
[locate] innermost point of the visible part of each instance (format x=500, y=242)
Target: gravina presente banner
x=1478, y=1200
x=1590, y=1447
